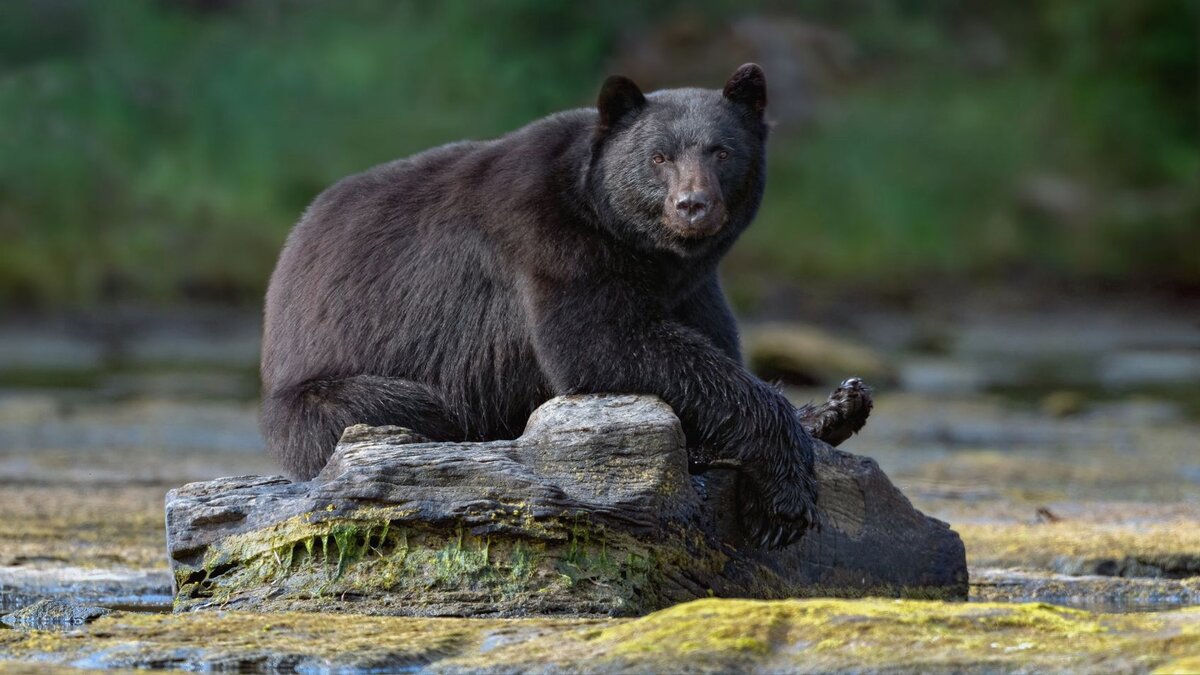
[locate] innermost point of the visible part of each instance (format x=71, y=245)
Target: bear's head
x=680, y=170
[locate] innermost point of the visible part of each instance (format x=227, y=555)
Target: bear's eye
x=658, y=158
x=722, y=154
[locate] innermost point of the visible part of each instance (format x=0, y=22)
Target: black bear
x=454, y=291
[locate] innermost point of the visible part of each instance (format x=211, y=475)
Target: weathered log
x=591, y=511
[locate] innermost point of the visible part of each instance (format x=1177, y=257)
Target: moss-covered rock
x=836, y=635
x=100, y=526
x=1168, y=549
x=240, y=641
x=702, y=636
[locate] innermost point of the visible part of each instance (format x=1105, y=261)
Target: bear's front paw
x=781, y=517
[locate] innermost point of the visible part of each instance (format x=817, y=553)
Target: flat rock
x=592, y=510
x=1090, y=592
x=51, y=612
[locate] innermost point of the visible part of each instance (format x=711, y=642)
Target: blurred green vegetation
x=161, y=150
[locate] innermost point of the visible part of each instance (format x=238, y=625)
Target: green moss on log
x=378, y=550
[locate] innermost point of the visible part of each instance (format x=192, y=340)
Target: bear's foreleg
x=598, y=340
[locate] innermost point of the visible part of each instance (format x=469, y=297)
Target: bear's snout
x=695, y=214
x=693, y=206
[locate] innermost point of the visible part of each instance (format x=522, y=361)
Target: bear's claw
x=769, y=533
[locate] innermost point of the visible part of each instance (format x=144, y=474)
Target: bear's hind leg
x=302, y=423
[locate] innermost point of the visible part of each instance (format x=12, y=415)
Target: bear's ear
x=618, y=97
x=748, y=87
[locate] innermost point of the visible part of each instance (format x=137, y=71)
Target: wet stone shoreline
x=1061, y=497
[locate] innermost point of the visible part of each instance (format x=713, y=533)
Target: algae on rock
x=1169, y=549
x=591, y=511
x=712, y=635
x=859, y=635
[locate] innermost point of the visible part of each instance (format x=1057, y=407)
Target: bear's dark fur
x=454, y=291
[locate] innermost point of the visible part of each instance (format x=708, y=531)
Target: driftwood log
x=591, y=511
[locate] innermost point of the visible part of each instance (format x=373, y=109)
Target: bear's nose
x=693, y=206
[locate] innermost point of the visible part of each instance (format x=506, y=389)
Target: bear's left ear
x=618, y=97
x=748, y=87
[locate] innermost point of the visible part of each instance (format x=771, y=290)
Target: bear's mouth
x=704, y=228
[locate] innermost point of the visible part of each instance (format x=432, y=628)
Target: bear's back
x=398, y=271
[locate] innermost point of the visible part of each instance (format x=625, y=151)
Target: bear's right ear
x=618, y=97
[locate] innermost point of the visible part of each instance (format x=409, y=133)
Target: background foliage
x=160, y=151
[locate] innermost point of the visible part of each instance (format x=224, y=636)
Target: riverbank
x=1080, y=493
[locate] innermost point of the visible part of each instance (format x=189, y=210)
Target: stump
x=591, y=511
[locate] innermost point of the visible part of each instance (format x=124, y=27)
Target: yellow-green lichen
x=701, y=636
x=822, y=635
x=1188, y=665
x=207, y=639
x=1169, y=548
x=100, y=527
